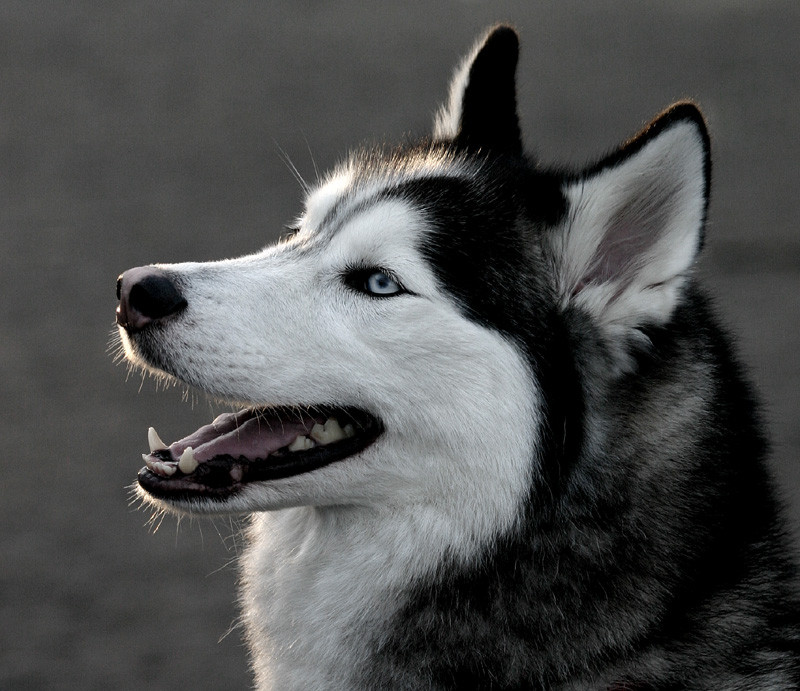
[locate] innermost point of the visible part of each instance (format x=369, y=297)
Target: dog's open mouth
x=253, y=445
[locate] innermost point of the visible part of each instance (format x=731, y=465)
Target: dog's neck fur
x=322, y=585
x=318, y=592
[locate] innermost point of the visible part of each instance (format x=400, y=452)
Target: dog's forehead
x=366, y=180
x=324, y=199
x=374, y=227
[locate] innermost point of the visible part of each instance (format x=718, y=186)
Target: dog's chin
x=211, y=470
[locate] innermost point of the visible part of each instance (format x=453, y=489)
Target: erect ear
x=481, y=113
x=634, y=226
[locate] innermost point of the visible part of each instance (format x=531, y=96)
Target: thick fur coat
x=555, y=473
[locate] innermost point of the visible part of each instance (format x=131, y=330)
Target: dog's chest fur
x=319, y=589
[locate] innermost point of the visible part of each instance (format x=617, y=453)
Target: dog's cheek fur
x=319, y=571
x=485, y=246
x=664, y=520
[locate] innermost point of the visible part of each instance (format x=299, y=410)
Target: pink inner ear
x=619, y=253
x=632, y=232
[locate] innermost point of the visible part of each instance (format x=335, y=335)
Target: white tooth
x=334, y=430
x=328, y=433
x=159, y=467
x=302, y=443
x=187, y=462
x=155, y=441
x=236, y=473
x=317, y=432
x=166, y=468
x=349, y=431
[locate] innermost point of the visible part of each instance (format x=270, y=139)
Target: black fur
x=489, y=110
x=608, y=570
x=651, y=552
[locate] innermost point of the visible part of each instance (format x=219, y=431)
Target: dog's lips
x=254, y=445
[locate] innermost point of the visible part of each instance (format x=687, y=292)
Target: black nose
x=146, y=294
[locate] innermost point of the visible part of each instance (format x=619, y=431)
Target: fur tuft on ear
x=634, y=226
x=481, y=113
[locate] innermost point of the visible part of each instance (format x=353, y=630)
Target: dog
x=491, y=434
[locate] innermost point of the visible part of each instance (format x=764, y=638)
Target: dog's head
x=406, y=343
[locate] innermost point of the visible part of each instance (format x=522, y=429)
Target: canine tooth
x=302, y=443
x=155, y=441
x=328, y=433
x=187, y=462
x=236, y=473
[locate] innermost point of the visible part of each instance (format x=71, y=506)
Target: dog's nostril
x=155, y=296
x=146, y=294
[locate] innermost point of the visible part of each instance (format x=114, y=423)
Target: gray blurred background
x=136, y=132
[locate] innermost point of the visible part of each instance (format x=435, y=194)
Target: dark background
x=136, y=132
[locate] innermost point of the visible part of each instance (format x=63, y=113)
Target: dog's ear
x=481, y=113
x=634, y=225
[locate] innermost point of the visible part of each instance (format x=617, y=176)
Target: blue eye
x=374, y=282
x=379, y=283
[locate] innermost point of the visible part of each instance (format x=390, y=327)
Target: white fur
x=334, y=553
x=449, y=473
x=447, y=122
x=323, y=198
x=655, y=197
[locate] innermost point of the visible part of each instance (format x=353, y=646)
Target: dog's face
x=406, y=345
x=347, y=318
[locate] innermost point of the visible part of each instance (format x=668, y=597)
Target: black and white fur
x=569, y=491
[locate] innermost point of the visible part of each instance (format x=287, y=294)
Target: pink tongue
x=242, y=434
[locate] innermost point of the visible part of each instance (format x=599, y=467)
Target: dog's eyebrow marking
x=342, y=213
x=360, y=183
x=346, y=208
x=325, y=199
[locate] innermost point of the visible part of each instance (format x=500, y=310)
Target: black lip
x=212, y=479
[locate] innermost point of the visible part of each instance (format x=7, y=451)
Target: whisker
x=311, y=155
x=292, y=168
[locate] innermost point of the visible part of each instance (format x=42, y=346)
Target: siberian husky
x=491, y=434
